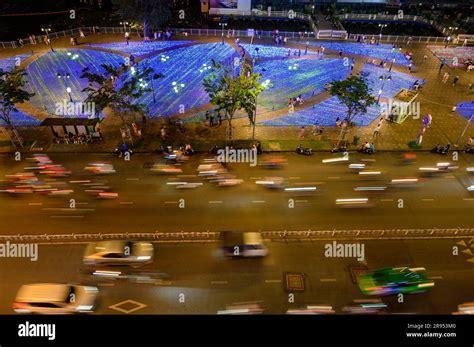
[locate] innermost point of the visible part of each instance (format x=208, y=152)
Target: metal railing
x=282, y=235
x=321, y=34
x=259, y=13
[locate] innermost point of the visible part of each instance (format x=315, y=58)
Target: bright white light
x=173, y=84
x=68, y=89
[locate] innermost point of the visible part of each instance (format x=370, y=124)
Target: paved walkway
x=436, y=98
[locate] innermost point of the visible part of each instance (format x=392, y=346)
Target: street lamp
x=266, y=84
x=223, y=25
x=381, y=28
x=391, y=65
x=47, y=31
x=68, y=90
x=383, y=78
x=124, y=25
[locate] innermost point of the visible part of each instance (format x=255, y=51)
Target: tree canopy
x=151, y=13
x=232, y=92
x=122, y=98
x=12, y=92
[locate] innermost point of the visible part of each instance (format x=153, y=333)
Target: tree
x=356, y=95
x=151, y=13
x=103, y=92
x=11, y=93
x=233, y=92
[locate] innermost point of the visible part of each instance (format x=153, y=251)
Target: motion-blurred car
x=118, y=253
x=354, y=203
x=272, y=182
x=55, y=298
x=396, y=280
x=366, y=306
x=246, y=244
x=312, y=309
x=166, y=169
x=465, y=308
x=100, y=168
x=243, y=308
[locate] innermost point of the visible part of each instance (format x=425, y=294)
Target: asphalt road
x=147, y=204
x=210, y=283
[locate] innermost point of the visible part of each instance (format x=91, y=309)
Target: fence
x=283, y=235
x=321, y=34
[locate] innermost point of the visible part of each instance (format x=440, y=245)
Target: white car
x=118, y=253
x=55, y=298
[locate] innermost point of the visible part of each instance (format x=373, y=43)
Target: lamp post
x=265, y=85
x=68, y=90
x=66, y=77
x=223, y=25
x=124, y=26
x=47, y=31
x=381, y=28
x=391, y=65
x=464, y=130
x=383, y=78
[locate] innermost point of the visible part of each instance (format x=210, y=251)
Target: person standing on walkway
x=127, y=38
x=377, y=128
x=445, y=77
x=455, y=80
x=443, y=63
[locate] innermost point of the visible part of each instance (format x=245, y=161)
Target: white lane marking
x=386, y=199
x=255, y=178
x=126, y=202
x=272, y=281
x=468, y=199
x=219, y=282
x=427, y=199
x=171, y=202
x=258, y=201
x=133, y=179
x=301, y=200
x=82, y=203
x=327, y=279
x=295, y=178
x=334, y=177
x=67, y=216
x=215, y=202
x=436, y=277
x=35, y=203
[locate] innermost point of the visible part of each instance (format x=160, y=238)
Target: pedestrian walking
x=445, y=77
x=425, y=57
x=340, y=53
x=443, y=63
x=219, y=119
x=377, y=128
x=455, y=80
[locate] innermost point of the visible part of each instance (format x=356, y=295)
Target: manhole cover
x=294, y=281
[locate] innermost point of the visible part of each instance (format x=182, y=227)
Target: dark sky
x=13, y=26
